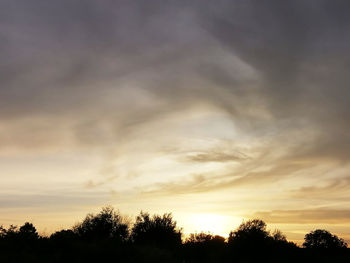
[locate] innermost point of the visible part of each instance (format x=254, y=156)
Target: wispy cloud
x=215, y=156
x=306, y=216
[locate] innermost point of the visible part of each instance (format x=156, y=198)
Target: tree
x=10, y=233
x=250, y=234
x=63, y=236
x=277, y=235
x=205, y=238
x=157, y=230
x=254, y=235
x=108, y=224
x=204, y=247
x=279, y=241
x=321, y=239
x=28, y=232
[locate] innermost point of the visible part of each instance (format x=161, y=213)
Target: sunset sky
x=216, y=111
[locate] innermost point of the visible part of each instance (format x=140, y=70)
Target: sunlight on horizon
x=212, y=223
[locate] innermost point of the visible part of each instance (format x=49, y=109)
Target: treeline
x=108, y=236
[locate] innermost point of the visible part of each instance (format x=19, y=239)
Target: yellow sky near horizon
x=209, y=178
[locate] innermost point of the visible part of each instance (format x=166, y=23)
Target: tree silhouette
x=157, y=230
x=156, y=238
x=28, y=232
x=202, y=238
x=249, y=235
x=63, y=236
x=204, y=247
x=253, y=235
x=9, y=233
x=321, y=239
x=279, y=241
x=277, y=235
x=108, y=224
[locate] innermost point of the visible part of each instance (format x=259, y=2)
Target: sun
x=213, y=223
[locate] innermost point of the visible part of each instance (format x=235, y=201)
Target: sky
x=217, y=111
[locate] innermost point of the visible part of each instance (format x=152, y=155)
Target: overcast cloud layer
x=237, y=108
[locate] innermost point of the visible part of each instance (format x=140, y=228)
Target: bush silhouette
x=108, y=224
x=322, y=239
x=204, y=247
x=63, y=236
x=100, y=237
x=253, y=235
x=157, y=230
x=10, y=233
x=205, y=239
x=28, y=232
x=249, y=235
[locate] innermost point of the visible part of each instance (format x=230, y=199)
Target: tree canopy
x=322, y=239
x=108, y=224
x=157, y=230
x=253, y=234
x=156, y=238
x=250, y=234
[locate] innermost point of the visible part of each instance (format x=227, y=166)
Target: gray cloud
x=76, y=43
x=93, y=73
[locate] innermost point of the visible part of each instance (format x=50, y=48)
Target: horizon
x=215, y=112
x=200, y=223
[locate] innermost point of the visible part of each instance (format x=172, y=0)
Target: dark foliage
x=204, y=247
x=249, y=235
x=105, y=237
x=251, y=241
x=108, y=224
x=156, y=230
x=63, y=236
x=321, y=239
x=26, y=233
x=253, y=235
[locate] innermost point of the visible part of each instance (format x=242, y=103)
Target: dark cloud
x=69, y=44
x=55, y=54
x=96, y=72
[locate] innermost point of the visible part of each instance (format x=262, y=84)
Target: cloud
x=332, y=189
x=21, y=201
x=213, y=157
x=249, y=176
x=306, y=216
x=121, y=80
x=216, y=155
